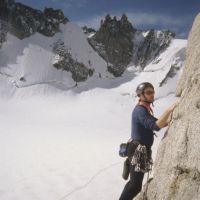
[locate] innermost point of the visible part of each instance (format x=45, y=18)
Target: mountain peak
x=115, y=25
x=120, y=44
x=24, y=21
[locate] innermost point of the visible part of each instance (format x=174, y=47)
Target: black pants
x=134, y=185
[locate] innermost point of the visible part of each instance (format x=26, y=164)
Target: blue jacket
x=143, y=125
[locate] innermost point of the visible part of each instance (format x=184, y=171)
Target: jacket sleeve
x=147, y=120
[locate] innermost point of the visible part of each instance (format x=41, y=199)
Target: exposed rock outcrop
x=65, y=61
x=149, y=44
x=3, y=32
x=120, y=44
x=113, y=41
x=177, y=166
x=24, y=21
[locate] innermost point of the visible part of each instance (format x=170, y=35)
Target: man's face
x=148, y=95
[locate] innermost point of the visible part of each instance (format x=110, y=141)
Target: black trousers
x=134, y=185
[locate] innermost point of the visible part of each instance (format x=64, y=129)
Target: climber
x=143, y=125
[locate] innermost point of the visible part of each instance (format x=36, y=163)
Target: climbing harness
x=142, y=163
x=140, y=159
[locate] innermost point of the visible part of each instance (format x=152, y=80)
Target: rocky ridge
x=23, y=21
x=117, y=41
x=120, y=44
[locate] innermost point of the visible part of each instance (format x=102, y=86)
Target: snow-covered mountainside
x=62, y=145
x=117, y=41
x=36, y=61
x=30, y=61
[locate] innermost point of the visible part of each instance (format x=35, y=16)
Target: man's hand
x=173, y=106
x=164, y=119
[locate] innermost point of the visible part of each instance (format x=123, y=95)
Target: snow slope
x=32, y=59
x=63, y=144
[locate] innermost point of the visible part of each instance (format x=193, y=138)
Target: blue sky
x=176, y=15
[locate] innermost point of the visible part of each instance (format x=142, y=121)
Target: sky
x=175, y=15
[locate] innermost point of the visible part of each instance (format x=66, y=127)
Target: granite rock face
x=177, y=165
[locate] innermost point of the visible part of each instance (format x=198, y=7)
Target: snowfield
x=58, y=143
x=65, y=147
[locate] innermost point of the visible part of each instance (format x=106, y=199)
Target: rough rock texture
x=113, y=41
x=65, y=61
x=3, y=32
x=147, y=45
x=24, y=21
x=120, y=44
x=177, y=166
